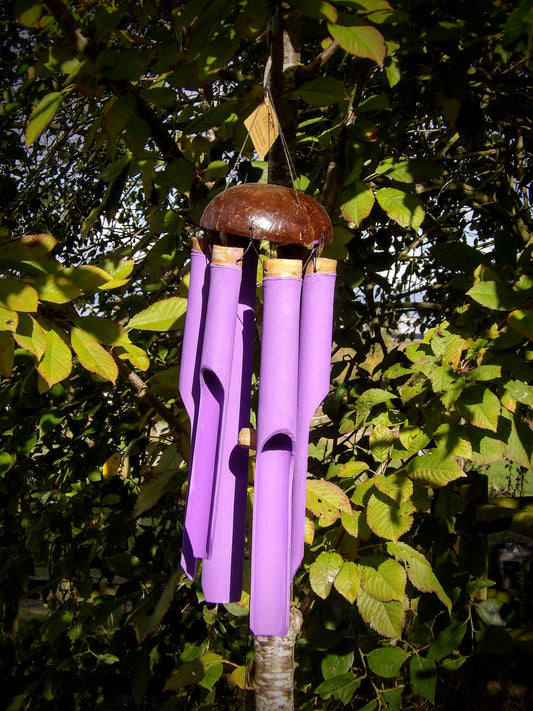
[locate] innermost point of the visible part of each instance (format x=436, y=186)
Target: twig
x=143, y=390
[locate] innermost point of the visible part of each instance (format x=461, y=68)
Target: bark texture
x=274, y=668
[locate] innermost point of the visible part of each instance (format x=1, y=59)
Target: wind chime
x=215, y=385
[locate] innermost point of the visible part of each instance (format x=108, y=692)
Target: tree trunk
x=285, y=56
x=274, y=668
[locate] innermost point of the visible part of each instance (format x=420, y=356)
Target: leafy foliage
x=120, y=121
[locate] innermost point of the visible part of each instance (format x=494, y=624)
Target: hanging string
x=290, y=164
x=251, y=245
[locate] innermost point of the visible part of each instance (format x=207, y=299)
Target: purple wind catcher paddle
x=189, y=384
x=214, y=377
x=314, y=366
x=276, y=439
x=222, y=571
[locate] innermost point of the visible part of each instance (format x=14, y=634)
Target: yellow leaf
x=56, y=363
x=326, y=500
x=92, y=355
x=16, y=295
x=30, y=335
x=111, y=465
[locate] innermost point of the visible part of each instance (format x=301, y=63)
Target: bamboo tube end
x=285, y=268
x=197, y=244
x=322, y=265
x=228, y=256
x=247, y=438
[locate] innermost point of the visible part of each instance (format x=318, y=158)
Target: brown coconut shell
x=268, y=212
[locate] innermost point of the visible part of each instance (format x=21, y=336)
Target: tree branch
x=85, y=45
x=69, y=25
x=143, y=390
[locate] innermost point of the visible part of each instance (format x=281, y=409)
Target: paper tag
x=262, y=126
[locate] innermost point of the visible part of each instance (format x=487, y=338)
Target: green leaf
x=348, y=470
x=104, y=330
x=57, y=288
x=423, y=676
x=360, y=40
x=89, y=278
x=356, y=202
x=490, y=611
x=409, y=171
x=342, y=687
x=27, y=248
x=347, y=582
x=486, y=446
x=334, y=664
x=6, y=462
x=405, y=209
x=164, y=315
x=386, y=661
x=522, y=322
x=350, y=523
x=323, y=572
x=118, y=111
x=7, y=353
x=396, y=486
x=134, y=354
x=154, y=488
x=215, y=169
x=484, y=373
x=457, y=255
x=337, y=249
x=436, y=468
x=56, y=362
x=381, y=440
x=326, y=500
x=239, y=677
x=378, y=102
x=383, y=578
x=322, y=91
x=496, y=296
x=117, y=268
x=419, y=571
x=362, y=492
x=146, y=623
x=319, y=9
x=16, y=295
x=388, y=519
x=42, y=116
x=520, y=391
x=8, y=320
x=384, y=617
x=28, y=12
x=193, y=672
x=447, y=641
x=369, y=399
x=518, y=444
x=92, y=355
x=453, y=440
x=481, y=407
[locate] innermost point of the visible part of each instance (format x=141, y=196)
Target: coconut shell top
x=268, y=212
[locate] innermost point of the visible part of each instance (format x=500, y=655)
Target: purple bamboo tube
x=276, y=434
x=314, y=368
x=189, y=386
x=215, y=373
x=222, y=572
